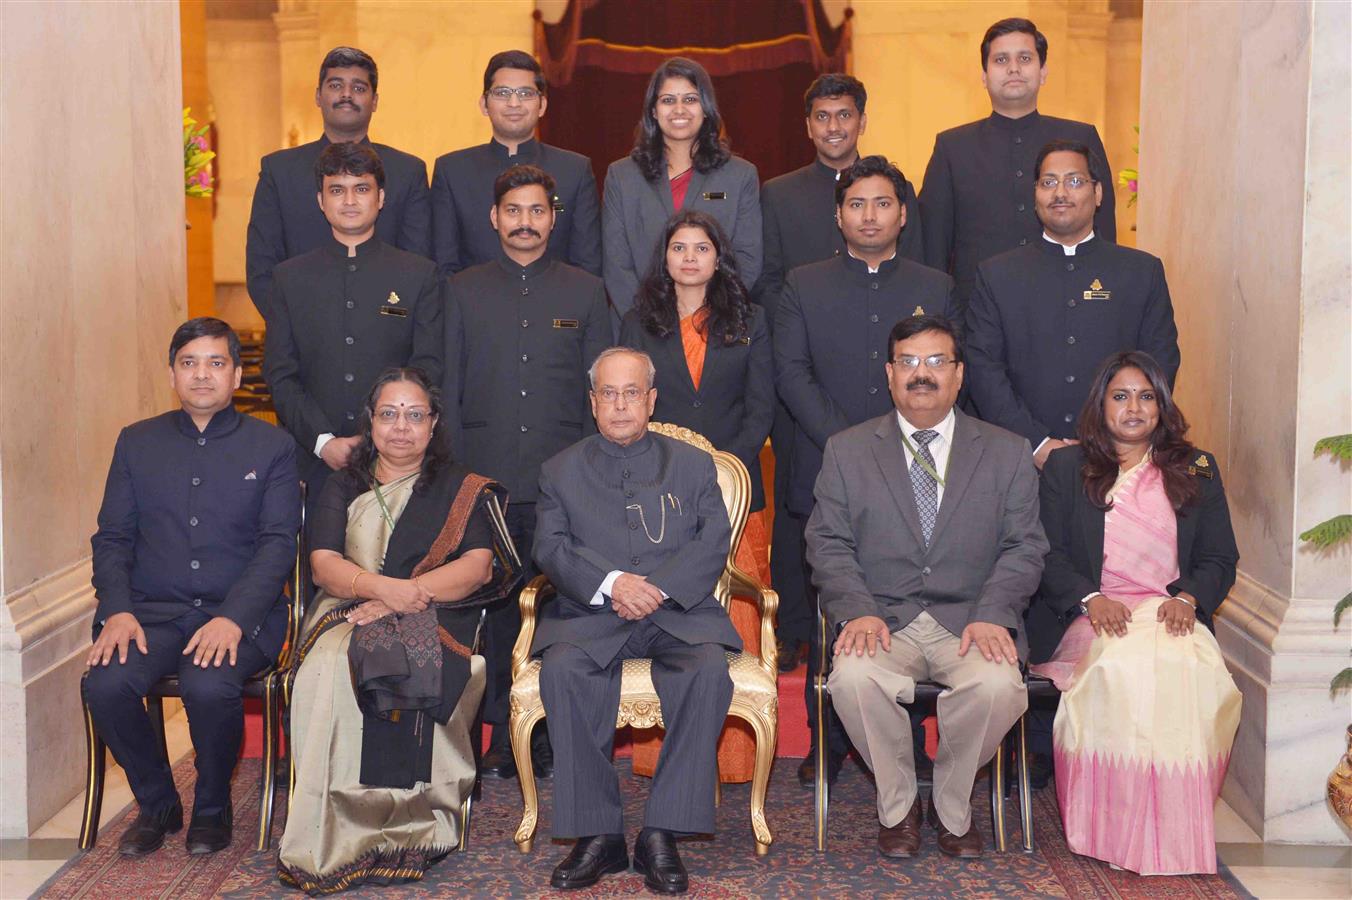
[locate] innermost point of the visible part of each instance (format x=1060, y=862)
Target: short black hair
x=1013, y=26
x=521, y=176
x=835, y=84
x=515, y=59
x=200, y=327
x=345, y=58
x=867, y=167
x=348, y=158
x=1063, y=146
x=910, y=326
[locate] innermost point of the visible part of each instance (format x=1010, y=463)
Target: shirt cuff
x=321, y=441
x=607, y=584
x=1035, y=449
x=1087, y=597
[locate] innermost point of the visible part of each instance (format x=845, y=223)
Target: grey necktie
x=923, y=483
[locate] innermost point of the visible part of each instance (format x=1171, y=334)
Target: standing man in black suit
x=831, y=340
x=286, y=221
x=520, y=333
x=1044, y=316
x=515, y=96
x=345, y=312
x=798, y=215
x=977, y=199
x=629, y=587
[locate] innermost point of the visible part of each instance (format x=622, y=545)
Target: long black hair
x=725, y=296
x=1171, y=452
x=362, y=462
x=711, y=144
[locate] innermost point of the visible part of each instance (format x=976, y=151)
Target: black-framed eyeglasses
x=933, y=361
x=504, y=94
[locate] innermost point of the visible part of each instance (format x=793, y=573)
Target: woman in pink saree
x=1141, y=551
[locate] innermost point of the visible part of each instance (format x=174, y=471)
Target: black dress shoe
x=146, y=834
x=790, y=653
x=590, y=858
x=807, y=769
x=210, y=833
x=498, y=762
x=656, y=859
x=541, y=755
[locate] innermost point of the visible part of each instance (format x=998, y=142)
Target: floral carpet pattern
x=726, y=866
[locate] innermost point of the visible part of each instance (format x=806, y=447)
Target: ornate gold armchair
x=754, y=695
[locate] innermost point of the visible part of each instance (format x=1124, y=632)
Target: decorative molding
x=59, y=607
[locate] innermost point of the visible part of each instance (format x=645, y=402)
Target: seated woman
x=406, y=548
x=715, y=376
x=1141, y=550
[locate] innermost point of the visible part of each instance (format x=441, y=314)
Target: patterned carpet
x=724, y=867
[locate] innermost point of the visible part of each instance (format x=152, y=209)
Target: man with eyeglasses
x=285, y=220
x=1044, y=316
x=520, y=332
x=634, y=535
x=925, y=544
x=977, y=197
x=830, y=342
x=515, y=96
x=343, y=313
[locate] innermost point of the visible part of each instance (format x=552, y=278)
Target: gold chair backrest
x=735, y=484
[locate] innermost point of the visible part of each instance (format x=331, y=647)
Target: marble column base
x=44, y=636
x=1282, y=653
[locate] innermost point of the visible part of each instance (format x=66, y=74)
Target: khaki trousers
x=982, y=702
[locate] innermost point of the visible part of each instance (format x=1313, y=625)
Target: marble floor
x=1268, y=871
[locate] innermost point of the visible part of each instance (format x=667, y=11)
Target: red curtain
x=761, y=54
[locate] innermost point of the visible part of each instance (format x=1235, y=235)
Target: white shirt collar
x=1069, y=249
x=945, y=427
x=873, y=270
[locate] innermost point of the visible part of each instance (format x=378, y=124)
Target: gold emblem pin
x=919, y=311
x=1096, y=285
x=394, y=298
x=1202, y=463
x=1096, y=291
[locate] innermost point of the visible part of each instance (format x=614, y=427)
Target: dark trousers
x=211, y=696
x=504, y=623
x=794, y=622
x=581, y=700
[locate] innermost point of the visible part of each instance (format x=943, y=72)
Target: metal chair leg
x=1025, y=785
x=267, y=781
x=466, y=808
x=998, y=798
x=822, y=787
x=97, y=755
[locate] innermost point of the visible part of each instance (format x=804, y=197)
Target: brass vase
x=1340, y=784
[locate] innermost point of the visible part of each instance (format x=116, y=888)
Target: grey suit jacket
x=865, y=544
x=653, y=508
x=636, y=211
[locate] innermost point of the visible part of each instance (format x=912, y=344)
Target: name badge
x=714, y=195
x=558, y=205
x=745, y=341
x=566, y=323
x=394, y=311
x=1096, y=291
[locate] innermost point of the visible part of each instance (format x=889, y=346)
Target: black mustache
x=347, y=103
x=524, y=231
x=919, y=383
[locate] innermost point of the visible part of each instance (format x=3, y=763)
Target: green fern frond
x=1329, y=533
x=1343, y=606
x=1341, y=682
x=1339, y=446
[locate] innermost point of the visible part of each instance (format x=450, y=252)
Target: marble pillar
x=92, y=262
x=1245, y=196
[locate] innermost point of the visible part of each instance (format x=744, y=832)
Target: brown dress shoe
x=902, y=840
x=963, y=846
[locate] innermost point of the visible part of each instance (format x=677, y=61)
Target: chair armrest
x=538, y=591
x=767, y=599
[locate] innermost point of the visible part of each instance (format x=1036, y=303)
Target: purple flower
x=1131, y=185
x=201, y=142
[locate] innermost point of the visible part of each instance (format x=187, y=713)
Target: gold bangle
x=352, y=588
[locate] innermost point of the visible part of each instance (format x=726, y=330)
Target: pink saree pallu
x=1146, y=721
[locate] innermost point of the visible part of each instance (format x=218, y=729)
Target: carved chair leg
x=764, y=724
x=522, y=724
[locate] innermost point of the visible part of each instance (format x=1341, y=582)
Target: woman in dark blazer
x=1141, y=550
x=680, y=161
x=715, y=375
